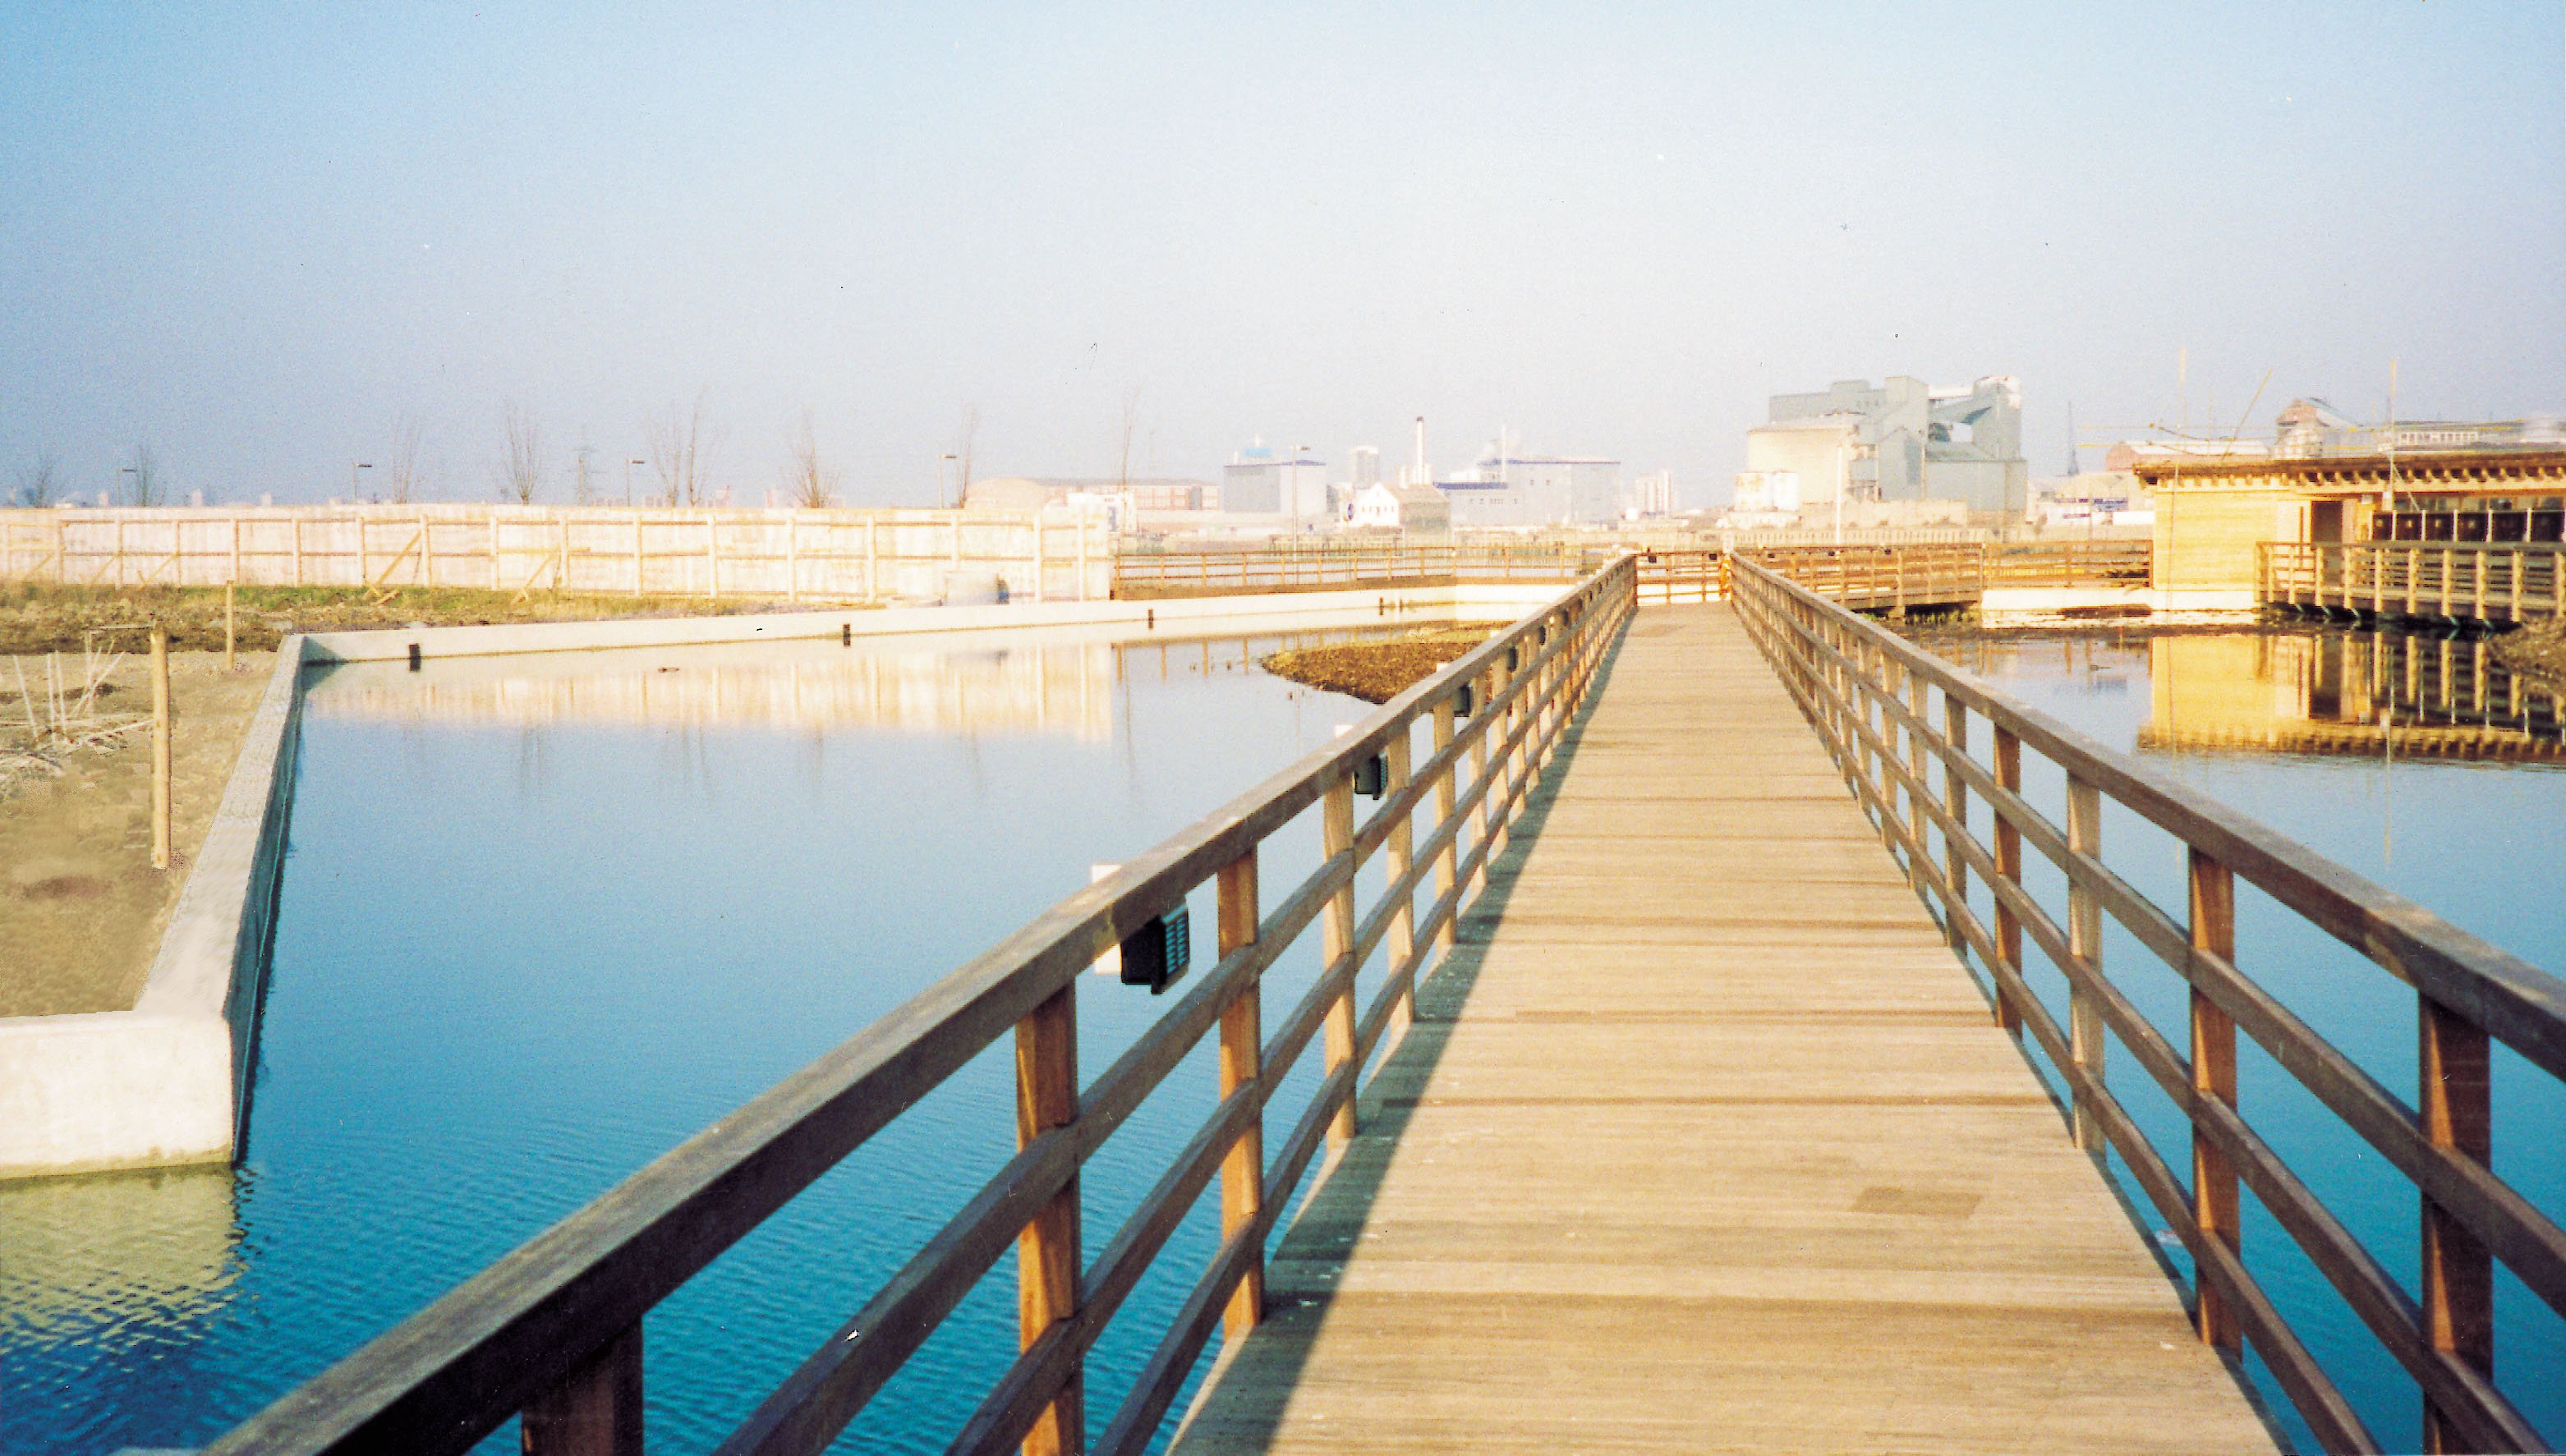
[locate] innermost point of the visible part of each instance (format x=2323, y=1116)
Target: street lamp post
x=955, y=495
x=355, y=498
x=628, y=480
x=1297, y=452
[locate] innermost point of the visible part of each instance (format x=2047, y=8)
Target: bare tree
x=38, y=479
x=968, y=436
x=1130, y=426
x=146, y=471
x=809, y=481
x=401, y=463
x=520, y=472
x=681, y=447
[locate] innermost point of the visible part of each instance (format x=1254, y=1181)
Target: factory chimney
x=1423, y=475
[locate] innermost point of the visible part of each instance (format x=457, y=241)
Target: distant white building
x=1414, y=509
x=1363, y=465
x=1899, y=440
x=1654, y=495
x=1262, y=481
x=1509, y=488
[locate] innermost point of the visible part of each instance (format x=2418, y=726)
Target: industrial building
x=1260, y=480
x=1899, y=440
x=1508, y=488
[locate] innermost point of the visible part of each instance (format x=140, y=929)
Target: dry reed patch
x=1377, y=671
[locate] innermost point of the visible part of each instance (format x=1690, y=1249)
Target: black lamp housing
x=1158, y=954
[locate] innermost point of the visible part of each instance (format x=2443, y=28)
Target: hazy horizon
x=261, y=240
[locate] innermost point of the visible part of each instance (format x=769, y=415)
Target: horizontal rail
x=1867, y=692
x=536, y=1328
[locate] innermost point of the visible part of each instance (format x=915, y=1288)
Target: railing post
x=1047, y=1253
x=1448, y=864
x=1480, y=687
x=1917, y=691
x=2010, y=868
x=1396, y=855
x=2457, y=1113
x=1955, y=801
x=2085, y=942
x=596, y=1409
x=2214, y=1076
x=1242, y=1033
x=1337, y=835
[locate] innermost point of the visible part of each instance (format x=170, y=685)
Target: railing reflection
x=2363, y=694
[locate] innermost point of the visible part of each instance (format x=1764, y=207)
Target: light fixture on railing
x=1158, y=954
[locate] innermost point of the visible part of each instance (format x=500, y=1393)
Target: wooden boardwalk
x=1703, y=1141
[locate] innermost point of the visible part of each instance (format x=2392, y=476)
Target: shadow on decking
x=1240, y=1404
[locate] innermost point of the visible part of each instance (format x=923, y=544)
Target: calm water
x=2415, y=761
x=544, y=918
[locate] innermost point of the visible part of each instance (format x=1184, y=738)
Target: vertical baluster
x=596, y=1409
x=2085, y=942
x=2457, y=1113
x=1955, y=801
x=1242, y=1172
x=1047, y=1251
x=2008, y=868
x=1448, y=864
x=1481, y=687
x=2214, y=1076
x=1396, y=858
x=1493, y=816
x=1337, y=833
x=1917, y=691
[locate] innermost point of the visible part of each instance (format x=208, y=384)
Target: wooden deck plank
x=1702, y=1140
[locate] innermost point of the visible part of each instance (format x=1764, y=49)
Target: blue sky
x=258, y=237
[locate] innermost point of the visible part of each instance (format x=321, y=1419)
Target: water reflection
x=1033, y=683
x=2326, y=692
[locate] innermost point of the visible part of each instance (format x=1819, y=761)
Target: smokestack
x=1423, y=476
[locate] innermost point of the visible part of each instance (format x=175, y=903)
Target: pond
x=2414, y=760
x=544, y=917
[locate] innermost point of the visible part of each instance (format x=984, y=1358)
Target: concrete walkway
x=1704, y=1141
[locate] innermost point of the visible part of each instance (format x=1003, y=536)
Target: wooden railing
x=553, y=1329
x=2460, y=580
x=1870, y=694
x=2070, y=563
x=1213, y=573
x=1884, y=578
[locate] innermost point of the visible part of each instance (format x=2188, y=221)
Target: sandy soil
x=80, y=908
x=1377, y=671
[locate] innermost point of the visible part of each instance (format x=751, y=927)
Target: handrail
x=2458, y=580
x=1868, y=693
x=553, y=1328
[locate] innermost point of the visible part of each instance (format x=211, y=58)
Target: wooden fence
x=779, y=555
x=2452, y=580
x=1870, y=696
x=553, y=1329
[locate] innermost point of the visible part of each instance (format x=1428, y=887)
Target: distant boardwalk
x=1703, y=1141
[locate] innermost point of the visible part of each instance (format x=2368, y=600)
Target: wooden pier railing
x=1874, y=697
x=2455, y=581
x=553, y=1329
x=1866, y=577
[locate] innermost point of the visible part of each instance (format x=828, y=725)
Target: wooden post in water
x=2085, y=942
x=2213, y=1077
x=595, y=1412
x=1337, y=835
x=2010, y=868
x=1242, y=1172
x=2456, y=1109
x=1047, y=1254
x=159, y=747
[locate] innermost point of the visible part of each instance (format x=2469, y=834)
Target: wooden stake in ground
x=159, y=747
x=227, y=627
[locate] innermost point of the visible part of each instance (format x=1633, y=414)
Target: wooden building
x=2212, y=514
